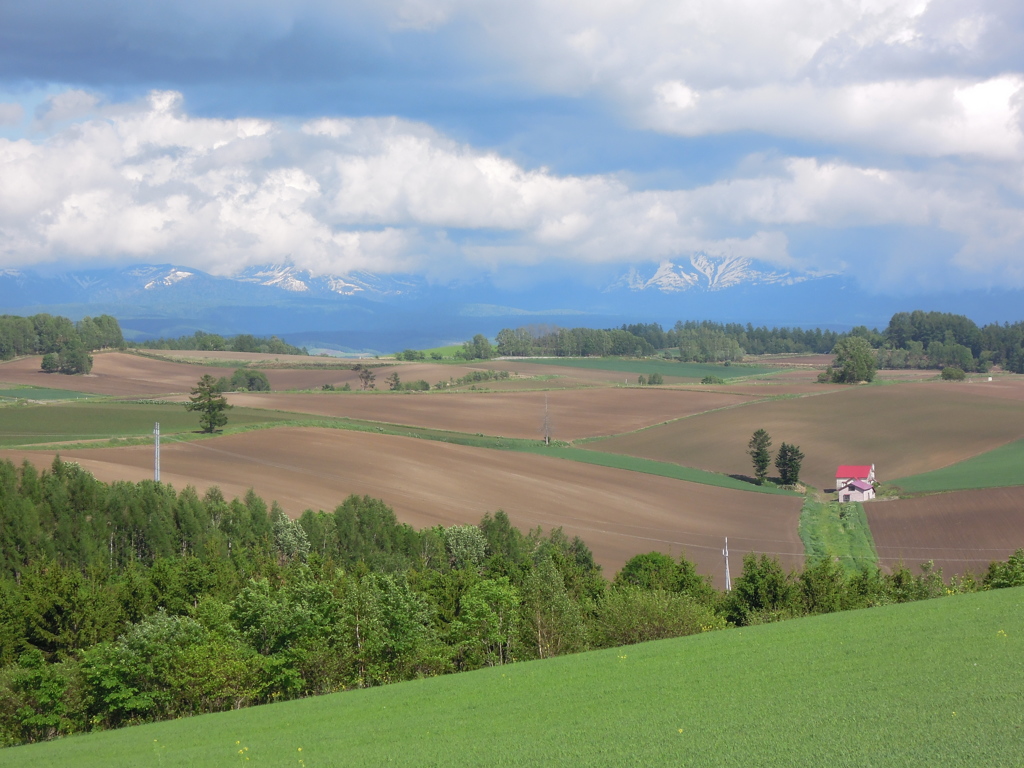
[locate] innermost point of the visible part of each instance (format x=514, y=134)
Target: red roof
x=855, y=472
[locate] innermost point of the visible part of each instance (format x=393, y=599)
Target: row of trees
x=550, y=341
x=788, y=461
x=65, y=345
x=129, y=602
x=213, y=342
x=911, y=340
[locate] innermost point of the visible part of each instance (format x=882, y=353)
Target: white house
x=848, y=472
x=856, y=490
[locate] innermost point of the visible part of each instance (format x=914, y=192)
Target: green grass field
x=44, y=424
x=831, y=529
x=41, y=393
x=649, y=467
x=931, y=683
x=994, y=469
x=647, y=367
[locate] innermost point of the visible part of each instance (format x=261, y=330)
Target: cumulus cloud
x=67, y=105
x=11, y=114
x=148, y=181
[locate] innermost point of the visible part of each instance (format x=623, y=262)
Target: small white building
x=847, y=472
x=856, y=490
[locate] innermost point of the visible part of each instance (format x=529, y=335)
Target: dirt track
x=573, y=414
x=619, y=514
x=960, y=531
x=903, y=429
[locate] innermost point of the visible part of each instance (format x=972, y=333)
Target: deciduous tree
x=855, y=361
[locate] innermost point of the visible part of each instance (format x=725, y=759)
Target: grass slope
x=831, y=529
x=646, y=367
x=994, y=469
x=930, y=683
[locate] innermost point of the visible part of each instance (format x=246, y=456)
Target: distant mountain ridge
x=705, y=272
x=288, y=277
x=384, y=313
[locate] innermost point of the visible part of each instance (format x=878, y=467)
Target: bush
x=415, y=386
x=712, y=380
x=50, y=364
x=655, y=378
x=952, y=373
x=633, y=615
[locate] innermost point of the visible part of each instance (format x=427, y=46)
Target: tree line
x=690, y=341
x=65, y=345
x=213, y=342
x=125, y=603
x=915, y=339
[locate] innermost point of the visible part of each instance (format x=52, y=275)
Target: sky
x=882, y=140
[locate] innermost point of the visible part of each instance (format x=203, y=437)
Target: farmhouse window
x=846, y=497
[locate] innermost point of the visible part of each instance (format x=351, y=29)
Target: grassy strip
x=651, y=467
x=664, y=367
x=105, y=429
x=831, y=529
x=994, y=469
x=43, y=393
x=931, y=683
x=59, y=423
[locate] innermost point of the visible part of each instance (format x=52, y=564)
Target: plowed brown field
x=573, y=414
x=124, y=375
x=618, y=513
x=960, y=531
x=903, y=429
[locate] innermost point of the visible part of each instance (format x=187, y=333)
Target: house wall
x=855, y=495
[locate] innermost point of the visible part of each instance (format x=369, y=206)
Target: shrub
x=50, y=364
x=655, y=378
x=952, y=373
x=712, y=380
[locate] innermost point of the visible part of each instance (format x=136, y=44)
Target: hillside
x=930, y=683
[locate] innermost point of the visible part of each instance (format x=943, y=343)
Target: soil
x=902, y=429
x=618, y=514
x=961, y=531
x=572, y=414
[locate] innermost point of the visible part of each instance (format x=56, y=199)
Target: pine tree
x=758, y=447
x=788, y=462
x=207, y=399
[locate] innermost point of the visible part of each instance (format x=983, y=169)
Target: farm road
x=617, y=513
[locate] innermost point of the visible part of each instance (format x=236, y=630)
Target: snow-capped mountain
x=705, y=272
x=170, y=277
x=288, y=277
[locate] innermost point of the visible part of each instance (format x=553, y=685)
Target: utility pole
x=547, y=422
x=725, y=554
x=156, y=452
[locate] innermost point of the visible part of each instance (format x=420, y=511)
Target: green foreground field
x=647, y=367
x=930, y=683
x=994, y=469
